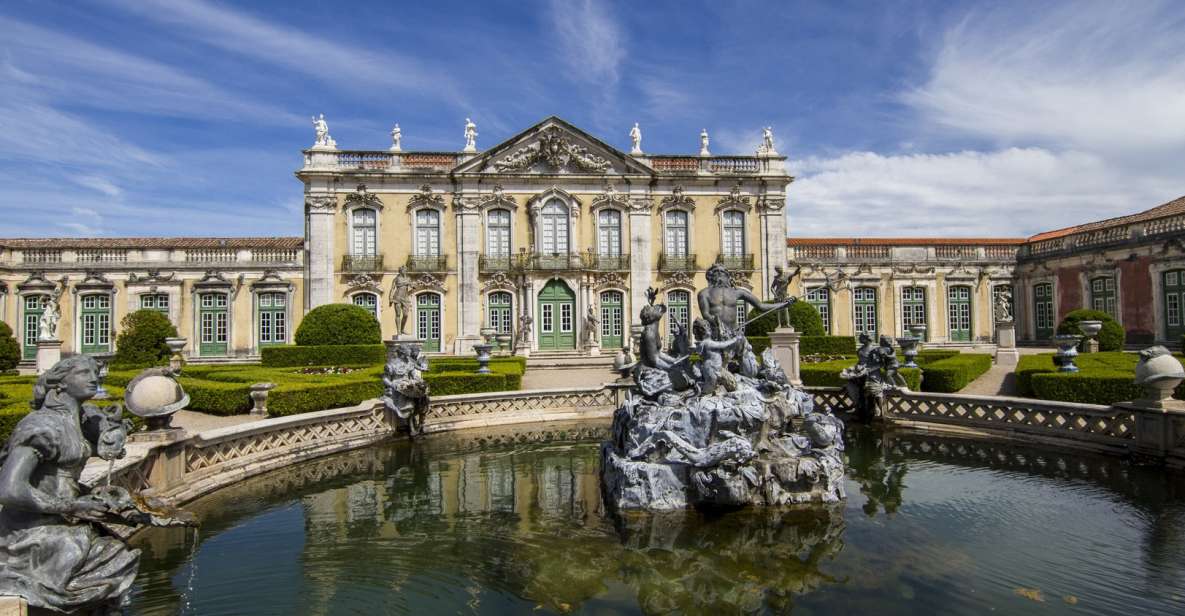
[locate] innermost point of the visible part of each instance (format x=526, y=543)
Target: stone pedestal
x=1090, y=346
x=49, y=352
x=13, y=606
x=784, y=342
x=1160, y=426
x=592, y=349
x=1006, y=353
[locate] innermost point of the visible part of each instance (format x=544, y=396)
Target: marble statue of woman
x=321, y=128
x=47, y=326
x=635, y=139
x=55, y=547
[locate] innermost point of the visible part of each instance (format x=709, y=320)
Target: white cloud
x=589, y=39
x=1084, y=110
x=99, y=184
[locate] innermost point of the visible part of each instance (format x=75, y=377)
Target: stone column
x=641, y=262
x=49, y=352
x=320, y=214
x=784, y=342
x=469, y=311
x=1006, y=353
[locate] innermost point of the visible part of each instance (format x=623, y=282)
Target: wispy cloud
x=589, y=40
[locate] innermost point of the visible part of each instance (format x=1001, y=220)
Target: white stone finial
x=321, y=129
x=470, y=136
x=703, y=143
x=636, y=140
x=767, y=142
x=396, y=139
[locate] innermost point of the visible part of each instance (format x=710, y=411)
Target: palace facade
x=555, y=230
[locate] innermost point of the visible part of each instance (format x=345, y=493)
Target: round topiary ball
x=10, y=349
x=804, y=317
x=141, y=340
x=1111, y=337
x=337, y=324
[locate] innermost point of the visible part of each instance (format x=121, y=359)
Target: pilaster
x=469, y=301
x=641, y=257
x=320, y=213
x=773, y=236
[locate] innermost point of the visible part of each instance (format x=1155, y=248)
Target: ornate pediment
x=677, y=280
x=498, y=281
x=426, y=198
x=609, y=280
x=553, y=146
x=362, y=198
x=610, y=198
x=363, y=282
x=472, y=203
x=734, y=200
x=152, y=277
x=427, y=282
x=320, y=203
x=676, y=200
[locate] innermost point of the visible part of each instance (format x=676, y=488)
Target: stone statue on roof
x=635, y=139
x=470, y=136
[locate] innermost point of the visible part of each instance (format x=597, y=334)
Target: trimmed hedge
x=952, y=374
x=16, y=394
x=323, y=355
x=1103, y=378
x=1111, y=337
x=337, y=324
x=10, y=349
x=827, y=345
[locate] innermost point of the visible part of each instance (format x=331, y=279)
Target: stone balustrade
x=53, y=259
x=1114, y=235
x=899, y=251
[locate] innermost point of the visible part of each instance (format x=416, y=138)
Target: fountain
x=1067, y=350
x=721, y=434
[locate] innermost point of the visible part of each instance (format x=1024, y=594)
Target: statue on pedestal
x=396, y=139
x=47, y=325
x=1003, y=305
x=592, y=324
x=321, y=130
x=401, y=300
x=779, y=289
x=59, y=547
x=470, y=136
x=523, y=340
x=703, y=143
x=635, y=139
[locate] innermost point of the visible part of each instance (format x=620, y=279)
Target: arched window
x=1102, y=294
x=553, y=228
x=428, y=320
x=365, y=224
x=609, y=233
x=612, y=326
x=958, y=308
x=427, y=233
x=1174, y=303
x=734, y=233
x=500, y=312
x=678, y=309
x=864, y=310
x=273, y=318
x=820, y=298
x=369, y=301
x=1043, y=314
x=913, y=307
x=498, y=233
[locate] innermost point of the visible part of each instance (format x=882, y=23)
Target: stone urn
x=504, y=341
x=918, y=330
x=909, y=348
x=1067, y=350
x=176, y=360
x=483, y=357
x=488, y=333
x=1159, y=373
x=258, y=393
x=1091, y=330
x=154, y=395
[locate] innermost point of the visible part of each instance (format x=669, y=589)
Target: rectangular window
x=155, y=301
x=566, y=318
x=820, y=298
x=678, y=309
x=96, y=323
x=498, y=233
x=676, y=234
x=273, y=318
x=213, y=323
x=365, y=226
x=865, y=310
x=427, y=233
x=609, y=232
x=913, y=307
x=547, y=319
x=734, y=234
x=742, y=316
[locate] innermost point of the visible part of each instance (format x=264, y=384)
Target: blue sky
x=187, y=117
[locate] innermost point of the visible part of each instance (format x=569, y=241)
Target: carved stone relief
x=554, y=150
x=426, y=198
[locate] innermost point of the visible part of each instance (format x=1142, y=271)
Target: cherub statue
x=713, y=371
x=403, y=383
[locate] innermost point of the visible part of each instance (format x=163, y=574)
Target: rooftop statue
x=396, y=139
x=321, y=132
x=470, y=136
x=635, y=139
x=59, y=547
x=720, y=433
x=703, y=143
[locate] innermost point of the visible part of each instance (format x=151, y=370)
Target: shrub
x=827, y=345
x=141, y=340
x=1103, y=378
x=1111, y=337
x=10, y=350
x=338, y=324
x=323, y=355
x=804, y=318
x=954, y=373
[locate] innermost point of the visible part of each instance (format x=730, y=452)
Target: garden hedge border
x=952, y=374
x=323, y=355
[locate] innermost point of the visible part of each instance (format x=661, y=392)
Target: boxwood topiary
x=141, y=340
x=804, y=318
x=1111, y=337
x=334, y=324
x=10, y=350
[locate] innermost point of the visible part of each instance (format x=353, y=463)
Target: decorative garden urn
x=177, y=360
x=1067, y=350
x=918, y=330
x=155, y=395
x=909, y=348
x=1091, y=330
x=483, y=357
x=258, y=393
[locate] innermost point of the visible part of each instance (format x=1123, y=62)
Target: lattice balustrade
x=448, y=409
x=1071, y=421
x=833, y=397
x=285, y=439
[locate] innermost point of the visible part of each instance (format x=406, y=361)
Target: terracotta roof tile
x=904, y=241
x=154, y=242
x=1172, y=208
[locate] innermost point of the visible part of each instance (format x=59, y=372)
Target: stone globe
x=155, y=395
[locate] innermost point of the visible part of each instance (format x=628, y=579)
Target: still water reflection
x=931, y=526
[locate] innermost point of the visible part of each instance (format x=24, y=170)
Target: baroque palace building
x=554, y=226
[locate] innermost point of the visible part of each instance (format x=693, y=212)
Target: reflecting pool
x=470, y=524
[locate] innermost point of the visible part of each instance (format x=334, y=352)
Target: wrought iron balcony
x=552, y=262
x=362, y=263
x=668, y=262
x=736, y=263
x=434, y=263
x=495, y=263
x=607, y=263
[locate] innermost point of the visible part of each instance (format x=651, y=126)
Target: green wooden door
x=500, y=313
x=557, y=314
x=1043, y=310
x=1174, y=303
x=213, y=324
x=34, y=308
x=428, y=321
x=958, y=308
x=611, y=319
x=96, y=324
